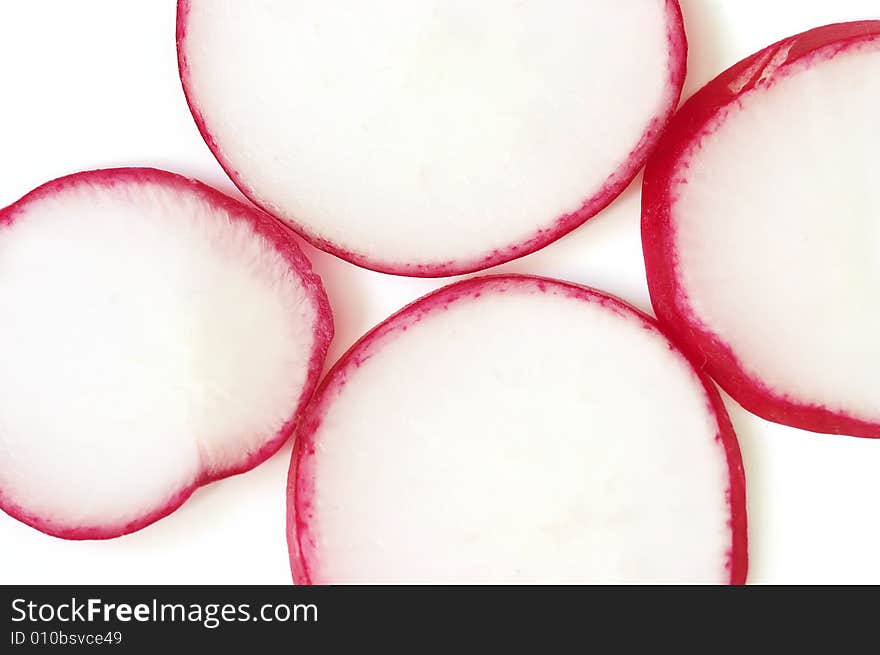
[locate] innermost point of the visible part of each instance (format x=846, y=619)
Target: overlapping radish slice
x=431, y=138
x=155, y=335
x=516, y=429
x=761, y=230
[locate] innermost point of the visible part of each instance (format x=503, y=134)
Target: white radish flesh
x=156, y=335
x=761, y=230
x=516, y=430
x=431, y=138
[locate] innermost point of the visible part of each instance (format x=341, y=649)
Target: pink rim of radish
x=613, y=181
x=303, y=542
x=668, y=179
x=279, y=238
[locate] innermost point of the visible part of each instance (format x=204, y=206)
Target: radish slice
x=516, y=430
x=156, y=335
x=761, y=230
x=431, y=138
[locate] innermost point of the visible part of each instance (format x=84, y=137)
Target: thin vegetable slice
x=515, y=430
x=431, y=138
x=156, y=335
x=761, y=230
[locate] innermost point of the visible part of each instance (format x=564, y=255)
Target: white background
x=93, y=83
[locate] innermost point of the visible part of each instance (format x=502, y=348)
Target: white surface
x=97, y=86
x=151, y=339
x=423, y=132
x=777, y=226
x=521, y=437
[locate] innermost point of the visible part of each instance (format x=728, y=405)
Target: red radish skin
x=668, y=168
x=280, y=238
x=303, y=543
x=614, y=184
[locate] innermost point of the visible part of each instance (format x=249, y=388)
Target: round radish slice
x=431, y=138
x=516, y=430
x=156, y=335
x=761, y=230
